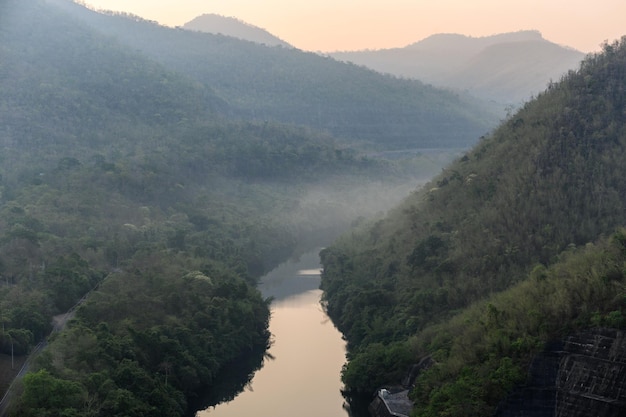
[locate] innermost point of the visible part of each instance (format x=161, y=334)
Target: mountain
x=131, y=196
x=80, y=98
x=470, y=45
x=508, y=68
x=515, y=245
x=261, y=83
x=76, y=88
x=230, y=26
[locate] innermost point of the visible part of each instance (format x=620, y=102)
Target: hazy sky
x=331, y=25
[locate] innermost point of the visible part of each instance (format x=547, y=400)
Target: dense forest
x=354, y=104
x=140, y=200
x=516, y=244
x=149, y=177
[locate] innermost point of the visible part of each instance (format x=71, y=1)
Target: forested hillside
x=489, y=261
x=126, y=183
x=355, y=104
x=67, y=89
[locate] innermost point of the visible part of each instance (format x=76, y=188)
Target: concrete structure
x=583, y=375
x=391, y=404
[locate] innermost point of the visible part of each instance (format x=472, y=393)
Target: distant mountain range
x=230, y=26
x=507, y=68
x=287, y=85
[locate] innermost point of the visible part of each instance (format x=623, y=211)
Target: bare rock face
x=582, y=376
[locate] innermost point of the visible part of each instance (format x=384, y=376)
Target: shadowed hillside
x=261, y=83
x=133, y=186
x=549, y=180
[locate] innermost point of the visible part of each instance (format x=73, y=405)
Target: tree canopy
x=128, y=193
x=549, y=179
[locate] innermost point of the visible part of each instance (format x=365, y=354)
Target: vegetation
x=157, y=188
x=262, y=83
x=504, y=217
x=484, y=352
x=125, y=184
x=147, y=341
x=141, y=230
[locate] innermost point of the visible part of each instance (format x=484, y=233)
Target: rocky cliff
x=582, y=376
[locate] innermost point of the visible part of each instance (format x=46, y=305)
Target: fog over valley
x=203, y=214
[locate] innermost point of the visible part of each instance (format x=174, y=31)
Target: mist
x=326, y=211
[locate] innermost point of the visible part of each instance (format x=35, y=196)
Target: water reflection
x=292, y=278
x=232, y=380
x=303, y=379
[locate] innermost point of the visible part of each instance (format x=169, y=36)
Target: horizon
x=330, y=26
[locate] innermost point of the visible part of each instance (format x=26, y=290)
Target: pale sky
x=335, y=25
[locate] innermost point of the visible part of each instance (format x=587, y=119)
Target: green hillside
x=125, y=182
x=291, y=86
x=548, y=181
x=64, y=87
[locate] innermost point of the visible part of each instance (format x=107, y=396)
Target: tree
x=47, y=396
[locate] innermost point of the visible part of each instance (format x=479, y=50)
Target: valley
x=472, y=218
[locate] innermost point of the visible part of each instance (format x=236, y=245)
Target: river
x=303, y=378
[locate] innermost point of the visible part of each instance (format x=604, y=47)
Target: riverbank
x=306, y=355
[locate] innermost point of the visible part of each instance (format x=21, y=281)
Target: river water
x=303, y=378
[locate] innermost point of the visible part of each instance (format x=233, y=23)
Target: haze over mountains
x=118, y=171
x=229, y=26
x=291, y=86
x=163, y=171
x=508, y=67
